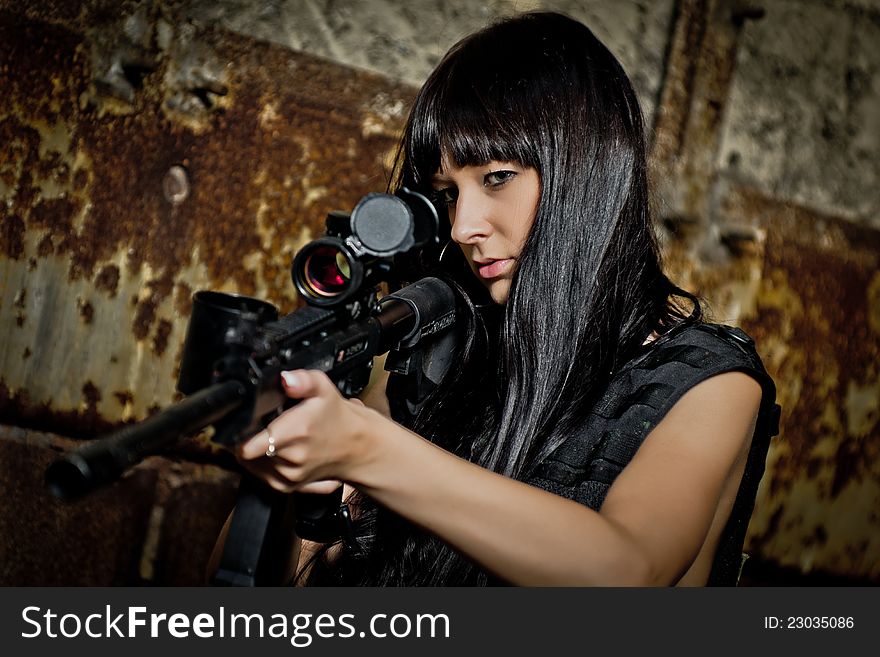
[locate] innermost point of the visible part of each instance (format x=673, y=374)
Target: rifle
x=236, y=348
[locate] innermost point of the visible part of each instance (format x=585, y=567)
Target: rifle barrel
x=102, y=461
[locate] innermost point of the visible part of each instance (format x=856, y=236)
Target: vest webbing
x=638, y=397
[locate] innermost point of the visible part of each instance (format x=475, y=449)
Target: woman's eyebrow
x=439, y=177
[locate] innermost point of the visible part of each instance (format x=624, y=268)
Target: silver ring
x=270, y=450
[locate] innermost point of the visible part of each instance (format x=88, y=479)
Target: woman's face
x=492, y=208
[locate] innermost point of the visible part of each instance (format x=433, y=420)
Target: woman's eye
x=446, y=196
x=498, y=178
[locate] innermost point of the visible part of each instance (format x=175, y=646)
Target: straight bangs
x=470, y=117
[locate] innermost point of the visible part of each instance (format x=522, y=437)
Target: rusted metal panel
x=700, y=66
x=805, y=285
x=815, y=317
x=671, y=119
x=145, y=158
x=157, y=525
x=45, y=543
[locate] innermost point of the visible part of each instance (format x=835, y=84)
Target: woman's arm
x=650, y=529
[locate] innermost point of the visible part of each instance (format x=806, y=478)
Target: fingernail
x=291, y=379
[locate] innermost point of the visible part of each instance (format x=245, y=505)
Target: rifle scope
x=358, y=248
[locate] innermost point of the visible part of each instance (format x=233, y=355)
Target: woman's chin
x=499, y=290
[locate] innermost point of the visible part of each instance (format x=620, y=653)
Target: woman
x=583, y=359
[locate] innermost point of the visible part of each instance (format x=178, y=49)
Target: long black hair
x=540, y=90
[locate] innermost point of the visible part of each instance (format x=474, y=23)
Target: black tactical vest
x=636, y=400
x=638, y=397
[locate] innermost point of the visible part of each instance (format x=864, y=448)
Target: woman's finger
x=324, y=487
x=281, y=473
x=259, y=445
x=270, y=476
x=301, y=384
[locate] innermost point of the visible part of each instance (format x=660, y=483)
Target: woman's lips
x=493, y=268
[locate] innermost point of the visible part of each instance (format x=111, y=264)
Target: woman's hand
x=316, y=443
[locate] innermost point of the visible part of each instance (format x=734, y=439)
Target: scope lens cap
x=383, y=223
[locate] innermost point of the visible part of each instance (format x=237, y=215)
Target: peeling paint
x=862, y=409
x=108, y=279
x=86, y=310
x=811, y=322
x=111, y=254
x=804, y=284
x=873, y=303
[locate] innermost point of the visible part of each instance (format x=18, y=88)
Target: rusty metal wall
x=147, y=155
x=804, y=282
x=145, y=158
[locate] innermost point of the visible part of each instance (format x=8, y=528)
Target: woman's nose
x=471, y=219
